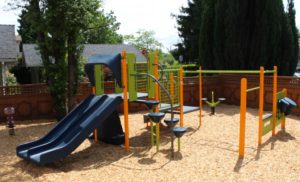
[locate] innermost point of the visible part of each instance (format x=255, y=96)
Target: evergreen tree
x=189, y=22
x=247, y=34
x=291, y=19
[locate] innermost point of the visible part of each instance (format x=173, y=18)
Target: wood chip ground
x=209, y=153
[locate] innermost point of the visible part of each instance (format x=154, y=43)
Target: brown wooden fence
x=34, y=101
x=228, y=86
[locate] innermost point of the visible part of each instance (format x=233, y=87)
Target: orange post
x=243, y=117
x=200, y=96
x=172, y=86
x=274, y=100
x=125, y=99
x=283, y=120
x=261, y=103
x=181, y=94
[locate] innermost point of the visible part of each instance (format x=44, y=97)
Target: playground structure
x=267, y=123
x=130, y=87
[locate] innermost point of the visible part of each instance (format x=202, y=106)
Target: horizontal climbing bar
x=191, y=71
x=184, y=66
x=252, y=89
x=232, y=71
x=224, y=71
x=169, y=70
x=270, y=71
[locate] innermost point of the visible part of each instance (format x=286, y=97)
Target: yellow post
x=181, y=95
x=274, y=100
x=200, y=96
x=283, y=121
x=243, y=117
x=95, y=130
x=125, y=99
x=172, y=86
x=261, y=103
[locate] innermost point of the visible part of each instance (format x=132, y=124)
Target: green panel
x=268, y=123
x=280, y=95
x=131, y=60
x=151, y=88
x=117, y=88
x=99, y=84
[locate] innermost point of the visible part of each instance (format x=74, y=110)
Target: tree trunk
x=72, y=73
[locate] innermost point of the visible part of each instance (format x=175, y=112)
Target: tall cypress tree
x=247, y=34
x=291, y=20
x=189, y=22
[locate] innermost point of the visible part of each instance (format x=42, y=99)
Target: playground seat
x=156, y=117
x=282, y=105
x=171, y=122
x=291, y=105
x=179, y=131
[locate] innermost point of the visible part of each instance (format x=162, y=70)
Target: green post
x=152, y=134
x=131, y=65
x=157, y=136
x=99, y=83
x=118, y=89
x=151, y=88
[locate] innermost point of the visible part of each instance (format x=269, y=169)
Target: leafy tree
x=60, y=28
x=103, y=30
x=143, y=40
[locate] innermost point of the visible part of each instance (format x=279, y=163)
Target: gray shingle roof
x=32, y=55
x=93, y=49
x=33, y=59
x=8, y=44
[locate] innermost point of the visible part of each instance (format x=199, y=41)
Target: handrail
x=161, y=86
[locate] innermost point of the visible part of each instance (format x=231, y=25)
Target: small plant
x=11, y=79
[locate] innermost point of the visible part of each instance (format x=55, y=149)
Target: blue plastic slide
x=71, y=131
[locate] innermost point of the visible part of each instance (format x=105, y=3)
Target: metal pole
x=261, y=104
x=243, y=117
x=125, y=100
x=274, y=101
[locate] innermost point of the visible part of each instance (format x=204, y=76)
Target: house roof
x=32, y=55
x=33, y=59
x=8, y=44
x=111, y=49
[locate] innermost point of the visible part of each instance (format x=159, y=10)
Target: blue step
x=171, y=122
x=156, y=117
x=179, y=131
x=151, y=104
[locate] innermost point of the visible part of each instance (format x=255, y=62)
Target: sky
x=138, y=14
